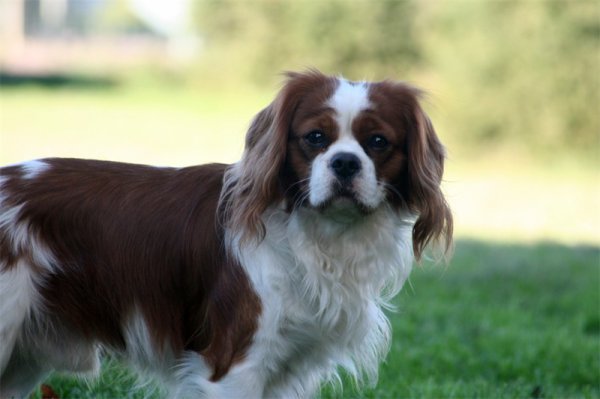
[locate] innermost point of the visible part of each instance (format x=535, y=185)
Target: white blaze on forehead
x=349, y=99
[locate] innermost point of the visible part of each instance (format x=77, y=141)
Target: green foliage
x=336, y=36
x=519, y=75
x=501, y=321
x=117, y=17
x=523, y=74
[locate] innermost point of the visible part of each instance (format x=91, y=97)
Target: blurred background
x=513, y=91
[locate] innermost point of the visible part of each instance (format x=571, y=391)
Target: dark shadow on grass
x=55, y=81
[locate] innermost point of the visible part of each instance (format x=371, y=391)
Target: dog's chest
x=304, y=329
x=321, y=296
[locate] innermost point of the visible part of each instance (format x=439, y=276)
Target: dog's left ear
x=426, y=156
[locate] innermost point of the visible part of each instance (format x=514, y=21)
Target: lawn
x=502, y=321
x=515, y=314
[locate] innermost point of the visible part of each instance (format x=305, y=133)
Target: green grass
x=501, y=321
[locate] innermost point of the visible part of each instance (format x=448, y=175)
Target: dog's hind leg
x=22, y=375
x=17, y=293
x=17, y=297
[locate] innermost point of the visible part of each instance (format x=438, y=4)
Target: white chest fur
x=323, y=284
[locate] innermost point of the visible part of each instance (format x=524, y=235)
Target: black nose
x=345, y=165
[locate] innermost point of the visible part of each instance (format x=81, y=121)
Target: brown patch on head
x=311, y=116
x=274, y=159
x=414, y=163
x=390, y=159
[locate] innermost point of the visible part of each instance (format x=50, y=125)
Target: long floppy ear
x=426, y=156
x=254, y=183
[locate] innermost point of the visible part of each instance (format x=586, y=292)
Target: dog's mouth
x=344, y=203
x=344, y=192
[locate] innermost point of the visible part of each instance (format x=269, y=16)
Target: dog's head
x=342, y=147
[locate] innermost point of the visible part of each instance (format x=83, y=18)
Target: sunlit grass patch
x=524, y=202
x=155, y=124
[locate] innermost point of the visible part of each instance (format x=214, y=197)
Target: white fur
x=139, y=345
x=30, y=169
x=348, y=101
x=322, y=285
x=17, y=296
x=22, y=238
x=33, y=169
x=365, y=185
x=192, y=379
x=17, y=291
x=18, y=231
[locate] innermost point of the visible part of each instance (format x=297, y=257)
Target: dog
x=263, y=278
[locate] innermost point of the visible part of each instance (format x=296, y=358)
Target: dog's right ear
x=255, y=182
x=261, y=123
x=264, y=156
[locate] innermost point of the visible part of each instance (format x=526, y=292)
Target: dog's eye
x=316, y=139
x=378, y=142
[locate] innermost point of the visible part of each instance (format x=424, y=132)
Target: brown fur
x=415, y=169
x=266, y=173
x=137, y=238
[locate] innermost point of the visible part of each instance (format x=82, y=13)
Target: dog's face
x=342, y=152
x=347, y=148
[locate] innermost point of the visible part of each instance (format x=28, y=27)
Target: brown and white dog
x=257, y=279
